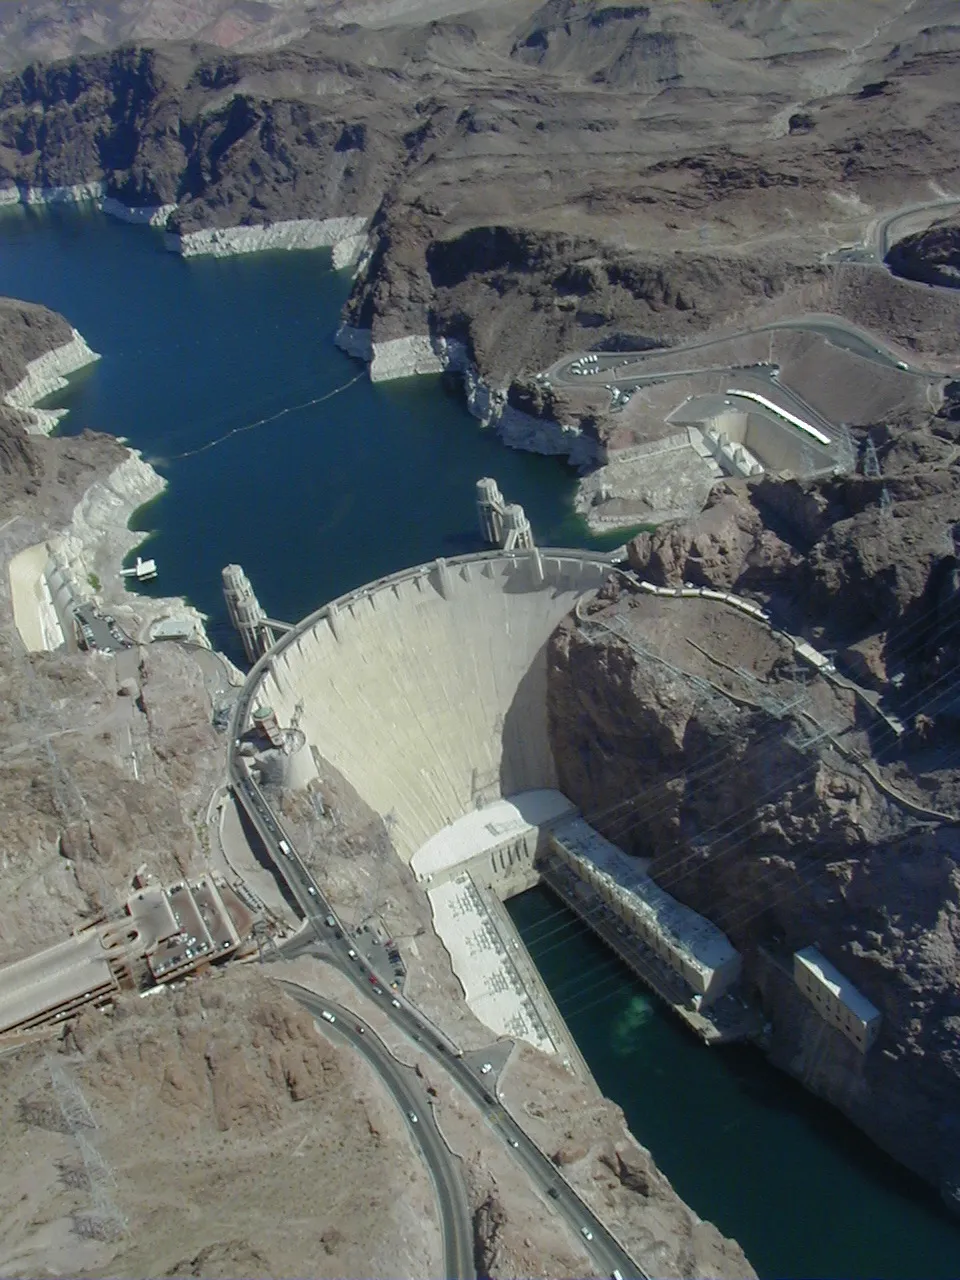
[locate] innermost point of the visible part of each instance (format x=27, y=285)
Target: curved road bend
x=607, y=1254
x=883, y=234
x=455, y=1221
x=626, y=366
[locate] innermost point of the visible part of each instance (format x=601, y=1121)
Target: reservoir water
x=313, y=503
x=372, y=479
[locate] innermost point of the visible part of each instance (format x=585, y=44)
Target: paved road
x=886, y=232
x=607, y=1254
x=455, y=1221
x=625, y=369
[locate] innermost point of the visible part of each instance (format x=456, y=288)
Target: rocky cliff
x=38, y=477
x=932, y=257
x=783, y=804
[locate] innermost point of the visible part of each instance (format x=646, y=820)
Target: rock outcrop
x=44, y=477
x=931, y=257
x=785, y=809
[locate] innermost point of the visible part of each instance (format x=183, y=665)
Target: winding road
x=331, y=943
x=455, y=1221
x=624, y=369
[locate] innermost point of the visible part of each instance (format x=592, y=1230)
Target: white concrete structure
x=806, y=427
x=427, y=689
x=492, y=841
x=481, y=960
x=835, y=998
x=245, y=610
x=33, y=609
x=517, y=533
x=734, y=458
x=503, y=524
x=490, y=505
x=747, y=434
x=693, y=947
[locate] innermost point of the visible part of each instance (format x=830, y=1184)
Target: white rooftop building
x=835, y=998
x=478, y=837
x=693, y=947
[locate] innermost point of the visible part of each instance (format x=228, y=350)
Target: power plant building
x=691, y=945
x=835, y=998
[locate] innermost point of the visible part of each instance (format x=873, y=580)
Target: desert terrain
x=533, y=181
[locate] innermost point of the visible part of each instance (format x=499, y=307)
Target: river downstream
x=363, y=480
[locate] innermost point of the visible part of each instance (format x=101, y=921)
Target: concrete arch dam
x=427, y=689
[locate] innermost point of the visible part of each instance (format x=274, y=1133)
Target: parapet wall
x=427, y=689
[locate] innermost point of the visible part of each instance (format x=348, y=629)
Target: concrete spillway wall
x=427, y=690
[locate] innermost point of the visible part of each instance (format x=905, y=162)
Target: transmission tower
x=73, y=1105
x=103, y=1221
x=846, y=451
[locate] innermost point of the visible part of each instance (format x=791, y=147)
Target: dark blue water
x=374, y=479
x=801, y=1189
x=312, y=504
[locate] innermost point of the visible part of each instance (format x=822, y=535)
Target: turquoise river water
x=375, y=478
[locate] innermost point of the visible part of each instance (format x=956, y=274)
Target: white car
x=412, y=1117
x=395, y=1003
x=486, y=1069
x=586, y=1233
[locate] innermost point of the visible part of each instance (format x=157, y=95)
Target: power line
x=103, y=1221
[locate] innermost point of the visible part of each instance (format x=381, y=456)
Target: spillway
x=427, y=689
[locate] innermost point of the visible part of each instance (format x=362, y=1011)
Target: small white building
x=690, y=944
x=835, y=998
x=497, y=844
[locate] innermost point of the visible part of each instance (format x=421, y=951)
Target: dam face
x=427, y=689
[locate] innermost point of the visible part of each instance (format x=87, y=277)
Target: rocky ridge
x=930, y=257
x=639, y=201
x=784, y=843
x=624, y=207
